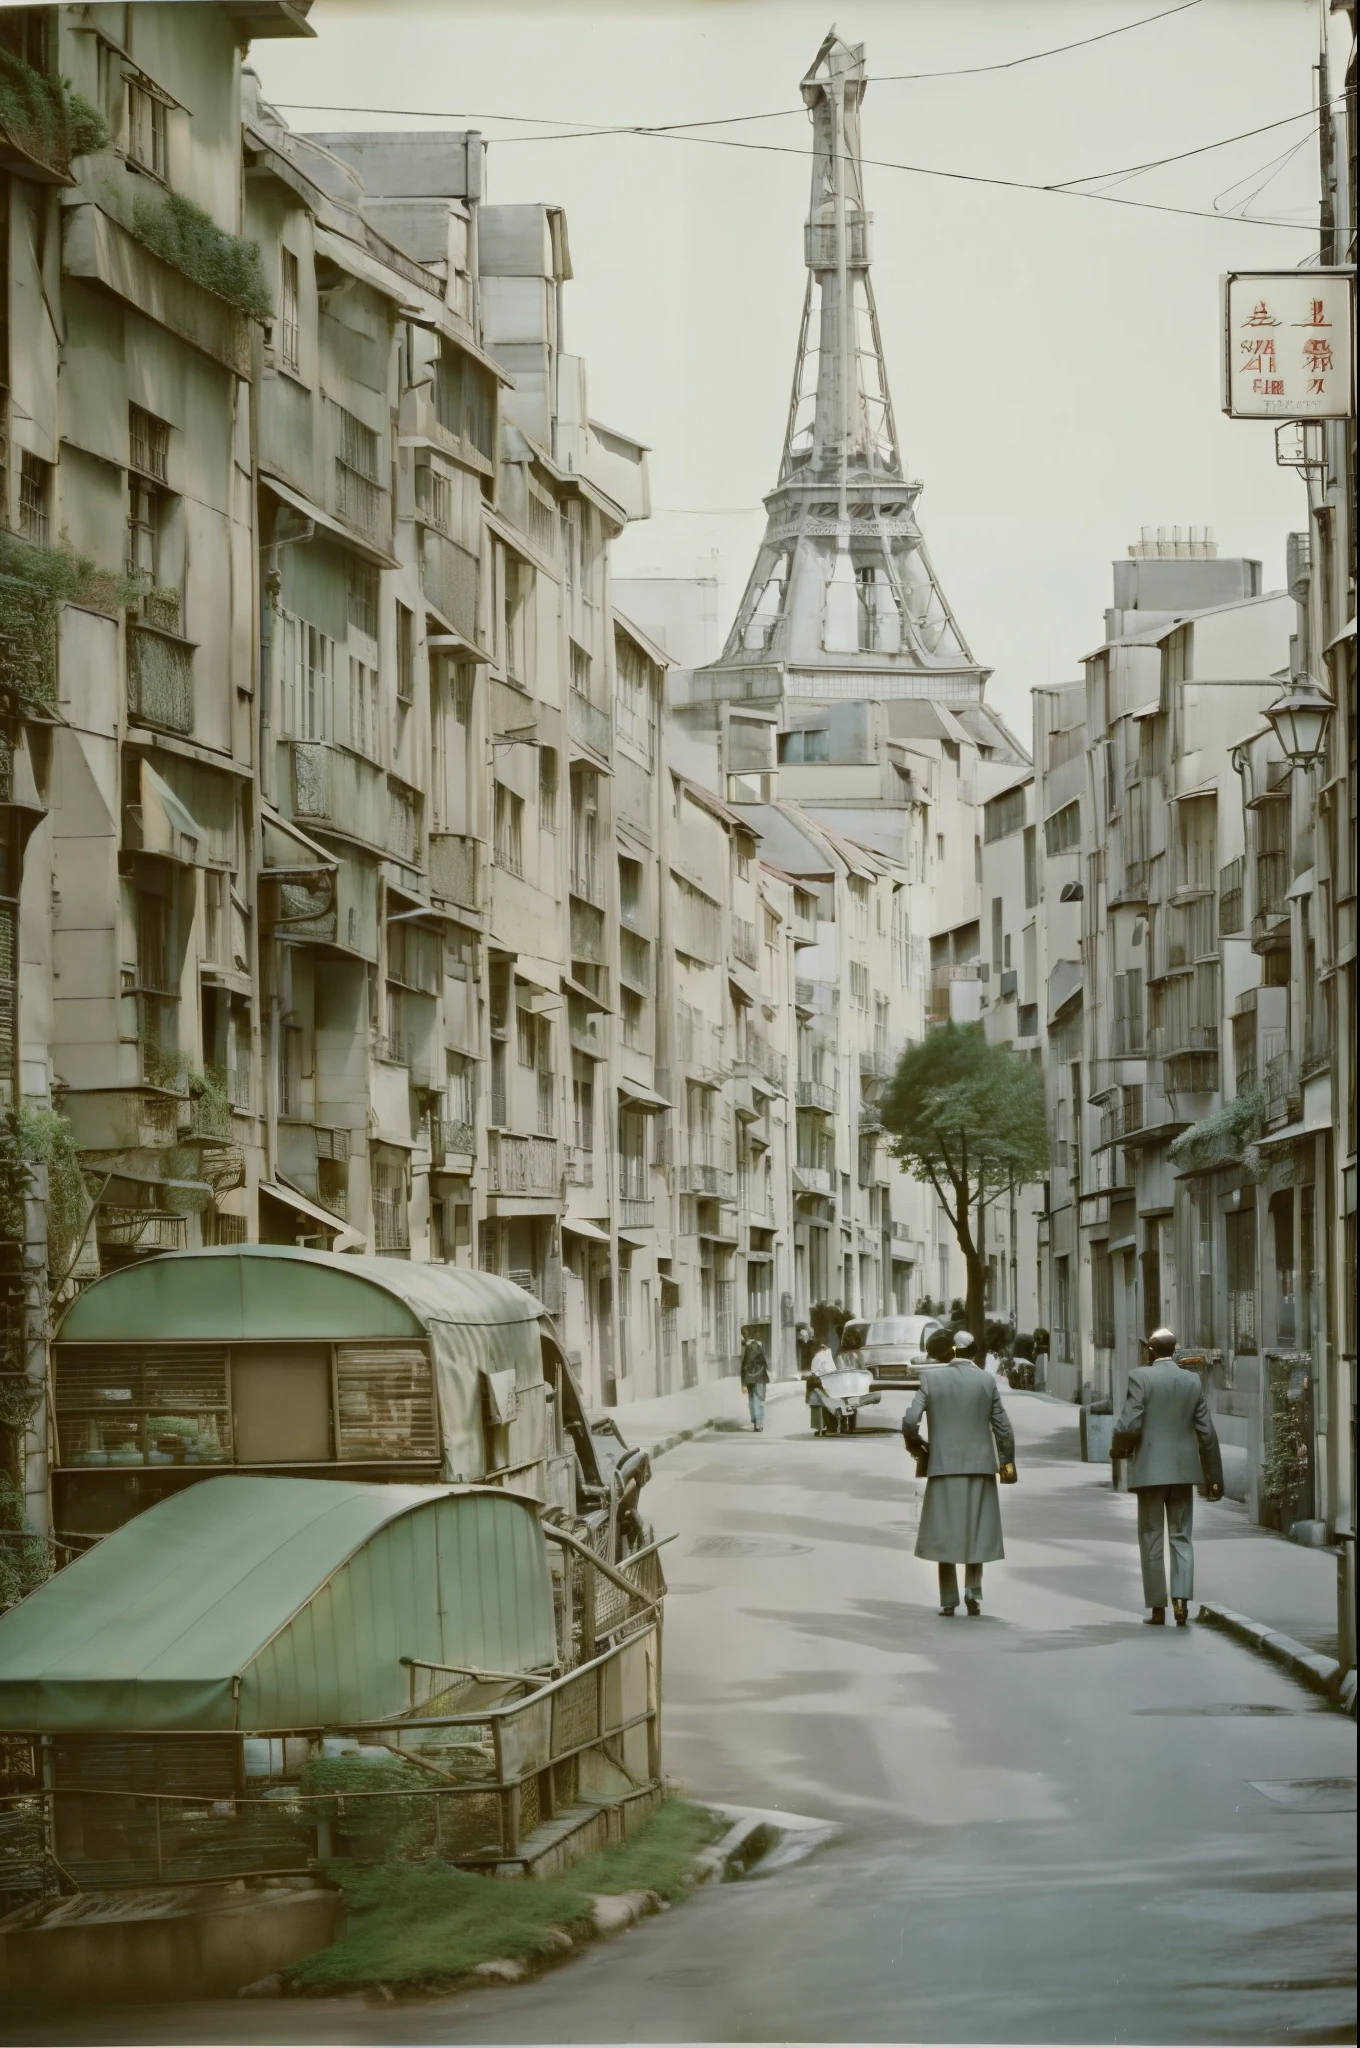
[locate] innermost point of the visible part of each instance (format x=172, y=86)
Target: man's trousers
x=1174, y=1506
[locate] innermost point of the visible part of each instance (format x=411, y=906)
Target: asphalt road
x=1052, y=1827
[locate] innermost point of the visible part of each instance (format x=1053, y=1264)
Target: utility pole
x=1326, y=157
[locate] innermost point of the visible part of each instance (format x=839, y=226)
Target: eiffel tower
x=843, y=601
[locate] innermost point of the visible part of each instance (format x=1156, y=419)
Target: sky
x=1053, y=360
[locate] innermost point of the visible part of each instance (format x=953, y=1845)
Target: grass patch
x=420, y=1924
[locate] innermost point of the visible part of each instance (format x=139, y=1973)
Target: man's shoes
x=1181, y=1610
x=1157, y=1618
x=947, y=1611
x=973, y=1606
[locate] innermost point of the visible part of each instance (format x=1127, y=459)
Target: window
x=146, y=129
x=148, y=443
x=288, y=310
x=464, y=677
x=306, y=679
x=509, y=830
x=357, y=497
x=1062, y=831
x=1241, y=1224
x=438, y=505
x=997, y=916
x=361, y=597
x=859, y=905
x=365, y=735
x=743, y=857
x=939, y=848
x=634, y=1009
x=812, y=743
x=1031, y=867
x=1102, y=1297
x=1004, y=815
x=406, y=655
x=519, y=590
x=630, y=892
x=547, y=788
x=526, y=1038
x=859, y=984
x=635, y=697
x=34, y=498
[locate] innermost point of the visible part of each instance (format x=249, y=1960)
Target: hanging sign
x=1287, y=344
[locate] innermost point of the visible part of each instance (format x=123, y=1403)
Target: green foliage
x=25, y=1560
x=1231, y=1134
x=45, y=117
x=1284, y=1471
x=31, y=1137
x=33, y=582
x=182, y=234
x=967, y=1114
x=423, y=1923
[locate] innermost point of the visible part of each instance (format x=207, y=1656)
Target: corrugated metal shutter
x=386, y=1402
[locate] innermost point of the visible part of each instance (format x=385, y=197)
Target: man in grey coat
x=969, y=1430
x=1167, y=1431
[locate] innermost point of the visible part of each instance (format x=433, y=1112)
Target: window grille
x=147, y=130
x=148, y=443
x=34, y=522
x=361, y=588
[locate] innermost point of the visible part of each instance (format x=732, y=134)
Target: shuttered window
x=386, y=1403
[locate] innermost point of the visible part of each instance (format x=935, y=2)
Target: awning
x=168, y=827
x=578, y=1226
x=355, y=542
x=301, y=1206
x=743, y=984
x=424, y=310
x=638, y=1237
x=289, y=855
x=1201, y=789
x=1307, y=1127
x=540, y=974
x=1302, y=885
x=1347, y=633
x=1122, y=1244
x=643, y=1098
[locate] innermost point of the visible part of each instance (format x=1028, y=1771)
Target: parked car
x=894, y=1350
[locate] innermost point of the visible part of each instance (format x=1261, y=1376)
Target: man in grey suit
x=1167, y=1430
x=969, y=1429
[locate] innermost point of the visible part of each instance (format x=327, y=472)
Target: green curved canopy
x=256, y=1603
x=253, y=1292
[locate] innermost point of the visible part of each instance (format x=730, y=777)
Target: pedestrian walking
x=755, y=1374
x=969, y=1433
x=1040, y=1360
x=822, y=1360
x=1168, y=1432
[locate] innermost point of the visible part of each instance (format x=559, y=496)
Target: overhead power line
x=1065, y=189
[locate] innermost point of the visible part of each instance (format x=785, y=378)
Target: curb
x=684, y=1436
x=1320, y=1674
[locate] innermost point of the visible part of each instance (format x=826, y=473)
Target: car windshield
x=911, y=1330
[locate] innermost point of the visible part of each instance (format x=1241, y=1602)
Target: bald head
x=940, y=1346
x=1162, y=1343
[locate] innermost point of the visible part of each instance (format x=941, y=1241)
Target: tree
x=967, y=1117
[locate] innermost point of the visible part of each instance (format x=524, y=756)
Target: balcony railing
x=772, y=1065
x=587, y=723
x=635, y=1212
x=1281, y=1079
x=702, y=1179
x=457, y=869
x=451, y=1136
x=870, y=1117
x=817, y=1095
x=587, y=879
x=160, y=679
x=1272, y=898
x=522, y=1166
x=876, y=1065
x=815, y=1180
x=1231, y=894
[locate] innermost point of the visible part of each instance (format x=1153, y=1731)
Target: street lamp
x=1300, y=719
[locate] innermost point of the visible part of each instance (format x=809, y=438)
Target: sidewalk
x=657, y=1425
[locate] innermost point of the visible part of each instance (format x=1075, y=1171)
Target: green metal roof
x=244, y=1293
x=258, y=1603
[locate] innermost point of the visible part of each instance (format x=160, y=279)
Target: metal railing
x=699, y=1178
x=522, y=1165
x=821, y=1095
x=1281, y=1078
x=451, y=1134
x=1231, y=897
x=160, y=679
x=744, y=941
x=391, y=1220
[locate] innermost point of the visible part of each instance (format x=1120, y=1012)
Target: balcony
x=580, y=1166
x=870, y=1118
x=1270, y=923
x=635, y=962
x=772, y=1066
x=1130, y=885
x=702, y=1179
x=1120, y=1118
x=635, y=1213
x=457, y=870
x=451, y=1137
x=813, y=1180
x=876, y=1065
x=589, y=940
x=160, y=679
x=449, y=578
x=522, y=1166
x=588, y=724
x=814, y=995
x=817, y=1095
x=744, y=941
x=1281, y=1079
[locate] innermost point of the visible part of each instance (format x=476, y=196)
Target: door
x=281, y=1404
